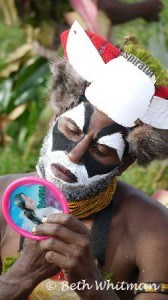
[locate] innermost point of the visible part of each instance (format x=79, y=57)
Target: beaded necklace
x=86, y=207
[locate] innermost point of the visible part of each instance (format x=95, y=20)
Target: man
x=106, y=116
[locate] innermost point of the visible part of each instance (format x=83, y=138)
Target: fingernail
x=34, y=230
x=44, y=220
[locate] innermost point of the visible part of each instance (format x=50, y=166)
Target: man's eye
x=99, y=152
x=73, y=130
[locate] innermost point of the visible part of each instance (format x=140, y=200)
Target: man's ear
x=127, y=161
x=148, y=144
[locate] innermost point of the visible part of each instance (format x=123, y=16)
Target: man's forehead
x=76, y=114
x=88, y=117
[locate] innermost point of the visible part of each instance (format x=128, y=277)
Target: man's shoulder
x=129, y=196
x=142, y=222
x=139, y=211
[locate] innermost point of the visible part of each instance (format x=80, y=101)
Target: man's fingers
x=61, y=261
x=53, y=244
x=68, y=221
x=62, y=233
x=56, y=258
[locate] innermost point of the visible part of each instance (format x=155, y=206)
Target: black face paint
x=88, y=115
x=93, y=167
x=62, y=143
x=111, y=129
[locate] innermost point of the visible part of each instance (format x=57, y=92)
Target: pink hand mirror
x=28, y=200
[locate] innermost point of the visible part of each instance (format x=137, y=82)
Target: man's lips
x=63, y=173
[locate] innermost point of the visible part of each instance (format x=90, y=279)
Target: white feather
x=82, y=54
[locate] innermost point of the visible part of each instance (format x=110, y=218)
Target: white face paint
x=76, y=114
x=85, y=185
x=84, y=188
x=114, y=141
x=79, y=170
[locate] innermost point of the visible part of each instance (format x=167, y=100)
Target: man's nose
x=80, y=149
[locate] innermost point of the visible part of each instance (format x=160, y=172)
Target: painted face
x=82, y=151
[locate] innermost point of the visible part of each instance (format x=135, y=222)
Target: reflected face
x=82, y=150
x=28, y=201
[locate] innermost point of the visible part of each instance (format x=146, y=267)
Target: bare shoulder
x=145, y=221
x=140, y=211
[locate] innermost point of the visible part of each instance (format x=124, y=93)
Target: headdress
x=117, y=83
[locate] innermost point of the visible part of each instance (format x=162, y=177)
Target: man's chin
x=77, y=191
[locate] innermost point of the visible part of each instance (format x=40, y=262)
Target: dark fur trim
x=66, y=87
x=147, y=144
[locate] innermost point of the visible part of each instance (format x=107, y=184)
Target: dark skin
x=136, y=249
x=119, y=12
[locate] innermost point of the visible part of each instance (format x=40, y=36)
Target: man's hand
x=69, y=247
x=152, y=8
x=35, y=263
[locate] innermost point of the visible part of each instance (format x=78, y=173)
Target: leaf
x=5, y=94
x=35, y=80
x=26, y=71
x=10, y=12
x=17, y=112
x=19, y=52
x=28, y=95
x=21, y=137
x=46, y=34
x=12, y=67
x=88, y=10
x=73, y=16
x=3, y=65
x=104, y=24
x=157, y=44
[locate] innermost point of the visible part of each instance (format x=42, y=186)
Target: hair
x=29, y=213
x=66, y=86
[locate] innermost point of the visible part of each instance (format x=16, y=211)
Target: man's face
x=82, y=151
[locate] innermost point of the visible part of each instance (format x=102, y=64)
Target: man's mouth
x=63, y=173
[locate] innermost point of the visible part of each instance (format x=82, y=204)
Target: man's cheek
x=60, y=141
x=94, y=168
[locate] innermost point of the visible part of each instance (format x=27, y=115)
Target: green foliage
x=38, y=11
x=148, y=180
x=108, y=276
x=8, y=262
x=28, y=84
x=27, y=88
x=13, y=159
x=153, y=63
x=10, y=38
x=145, y=31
